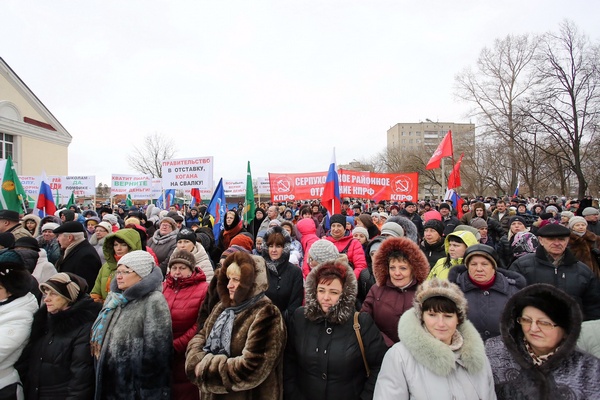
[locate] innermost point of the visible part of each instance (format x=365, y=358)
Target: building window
x=409, y=133
x=402, y=133
x=403, y=140
x=6, y=146
x=418, y=140
x=409, y=140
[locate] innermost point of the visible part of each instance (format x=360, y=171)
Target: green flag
x=249, y=208
x=71, y=200
x=128, y=201
x=12, y=191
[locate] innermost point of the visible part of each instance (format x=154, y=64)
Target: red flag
x=196, y=199
x=454, y=178
x=444, y=149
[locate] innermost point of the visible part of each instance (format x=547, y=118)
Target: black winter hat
x=553, y=230
x=435, y=224
x=555, y=309
x=70, y=227
x=9, y=215
x=28, y=242
x=445, y=205
x=516, y=218
x=186, y=234
x=7, y=240
x=338, y=219
x=14, y=277
x=481, y=250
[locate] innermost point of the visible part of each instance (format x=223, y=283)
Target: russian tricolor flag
x=45, y=202
x=331, y=192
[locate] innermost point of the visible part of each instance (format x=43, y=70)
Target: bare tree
x=565, y=103
x=503, y=79
x=148, y=158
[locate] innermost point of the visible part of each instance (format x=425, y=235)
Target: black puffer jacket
x=323, y=359
x=572, y=276
x=57, y=363
x=485, y=306
x=366, y=278
x=433, y=252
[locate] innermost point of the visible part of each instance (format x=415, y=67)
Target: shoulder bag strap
x=360, y=342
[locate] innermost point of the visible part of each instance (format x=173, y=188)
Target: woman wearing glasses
x=536, y=356
x=131, y=338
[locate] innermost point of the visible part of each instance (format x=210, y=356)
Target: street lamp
x=442, y=162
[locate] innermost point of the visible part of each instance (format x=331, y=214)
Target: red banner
x=355, y=184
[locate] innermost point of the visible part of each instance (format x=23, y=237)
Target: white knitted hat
x=140, y=261
x=323, y=250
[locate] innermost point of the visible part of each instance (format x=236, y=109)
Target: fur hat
x=362, y=231
x=338, y=219
x=186, y=234
x=409, y=228
x=247, y=265
x=169, y=221
x=481, y=250
x=479, y=223
x=323, y=250
x=66, y=284
x=436, y=225
x=49, y=226
x=590, y=211
x=28, y=243
x=106, y=226
x=553, y=307
x=440, y=288
x=13, y=275
x=575, y=220
x=392, y=229
x=183, y=257
x=139, y=261
x=70, y=227
x=111, y=219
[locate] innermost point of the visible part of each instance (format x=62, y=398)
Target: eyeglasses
x=124, y=273
x=543, y=325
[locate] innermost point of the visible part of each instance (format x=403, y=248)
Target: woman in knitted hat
x=116, y=245
x=456, y=243
x=486, y=286
x=440, y=354
x=504, y=246
x=186, y=240
x=164, y=241
x=185, y=289
x=536, y=356
x=130, y=337
x=48, y=242
x=584, y=244
x=323, y=358
x=17, y=306
x=57, y=362
x=238, y=353
x=399, y=267
x=285, y=279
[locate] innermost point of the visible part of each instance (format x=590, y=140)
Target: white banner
x=262, y=186
x=187, y=173
x=138, y=186
x=61, y=186
x=234, y=187
x=156, y=188
x=81, y=185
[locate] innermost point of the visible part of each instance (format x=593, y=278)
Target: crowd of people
x=496, y=299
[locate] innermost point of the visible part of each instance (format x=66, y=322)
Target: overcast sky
x=278, y=83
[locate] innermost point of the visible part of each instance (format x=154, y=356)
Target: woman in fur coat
x=399, y=267
x=57, y=362
x=440, y=354
x=132, y=335
x=536, y=357
x=584, y=244
x=323, y=357
x=238, y=353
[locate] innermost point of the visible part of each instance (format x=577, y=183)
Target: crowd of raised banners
x=197, y=173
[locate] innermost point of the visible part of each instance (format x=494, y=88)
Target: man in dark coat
x=449, y=220
x=77, y=254
x=410, y=212
x=553, y=263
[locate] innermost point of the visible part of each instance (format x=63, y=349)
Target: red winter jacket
x=184, y=297
x=355, y=252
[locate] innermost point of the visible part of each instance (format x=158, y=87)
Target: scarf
x=113, y=300
x=219, y=339
x=538, y=360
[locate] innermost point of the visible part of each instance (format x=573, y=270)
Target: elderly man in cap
x=591, y=216
x=553, y=263
x=9, y=222
x=78, y=255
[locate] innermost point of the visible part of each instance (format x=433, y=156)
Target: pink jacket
x=307, y=229
x=354, y=251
